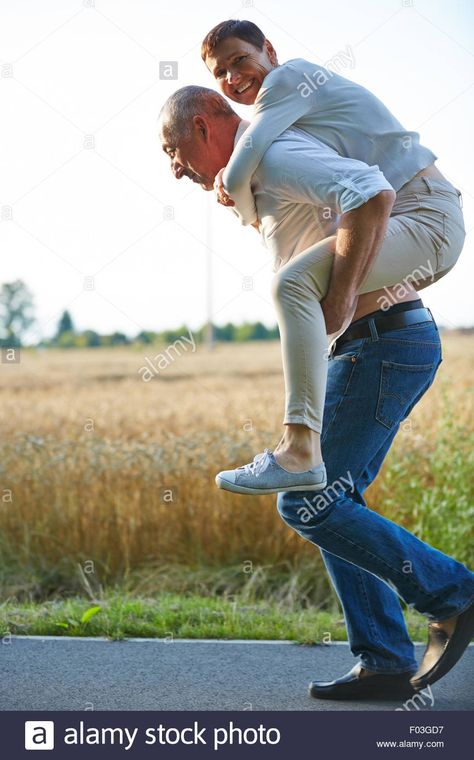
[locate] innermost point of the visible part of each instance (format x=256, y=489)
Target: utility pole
x=209, y=284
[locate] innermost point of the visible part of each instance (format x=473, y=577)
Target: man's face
x=240, y=68
x=197, y=156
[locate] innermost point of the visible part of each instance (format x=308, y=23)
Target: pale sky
x=86, y=192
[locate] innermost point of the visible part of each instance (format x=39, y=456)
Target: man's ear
x=271, y=52
x=201, y=128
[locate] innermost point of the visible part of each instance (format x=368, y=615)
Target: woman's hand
x=222, y=197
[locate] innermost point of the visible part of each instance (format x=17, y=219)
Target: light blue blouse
x=338, y=112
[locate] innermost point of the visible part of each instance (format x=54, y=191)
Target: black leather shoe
x=443, y=651
x=353, y=686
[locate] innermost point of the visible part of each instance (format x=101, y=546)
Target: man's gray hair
x=178, y=111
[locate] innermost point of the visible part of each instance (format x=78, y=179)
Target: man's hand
x=336, y=312
x=222, y=197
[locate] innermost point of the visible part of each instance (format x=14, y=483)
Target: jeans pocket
x=399, y=385
x=348, y=350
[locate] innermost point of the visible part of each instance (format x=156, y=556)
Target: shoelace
x=259, y=464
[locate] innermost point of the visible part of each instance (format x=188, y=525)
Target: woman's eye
x=220, y=74
x=240, y=58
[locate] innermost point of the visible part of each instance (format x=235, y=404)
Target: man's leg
x=375, y=624
x=372, y=390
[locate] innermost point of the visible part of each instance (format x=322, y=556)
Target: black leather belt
x=384, y=324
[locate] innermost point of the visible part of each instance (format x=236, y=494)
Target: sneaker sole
x=226, y=485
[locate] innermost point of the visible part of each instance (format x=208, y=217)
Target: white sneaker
x=265, y=475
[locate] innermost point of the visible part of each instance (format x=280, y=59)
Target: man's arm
x=358, y=242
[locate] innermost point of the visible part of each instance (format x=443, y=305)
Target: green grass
x=119, y=616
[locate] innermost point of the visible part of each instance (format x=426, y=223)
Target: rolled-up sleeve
x=359, y=186
x=307, y=171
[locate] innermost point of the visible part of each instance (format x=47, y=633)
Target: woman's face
x=240, y=68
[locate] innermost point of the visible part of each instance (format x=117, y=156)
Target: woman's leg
x=423, y=240
x=297, y=290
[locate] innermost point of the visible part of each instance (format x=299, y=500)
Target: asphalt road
x=93, y=674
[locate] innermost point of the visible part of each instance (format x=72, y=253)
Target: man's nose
x=233, y=77
x=177, y=169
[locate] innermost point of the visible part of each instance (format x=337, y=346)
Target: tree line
x=17, y=317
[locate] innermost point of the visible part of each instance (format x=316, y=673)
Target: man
x=381, y=367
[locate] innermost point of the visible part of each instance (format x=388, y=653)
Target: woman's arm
x=279, y=105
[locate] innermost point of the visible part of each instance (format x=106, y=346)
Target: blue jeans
x=373, y=384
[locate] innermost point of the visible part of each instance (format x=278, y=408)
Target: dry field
x=100, y=467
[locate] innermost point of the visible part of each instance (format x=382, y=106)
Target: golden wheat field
x=98, y=465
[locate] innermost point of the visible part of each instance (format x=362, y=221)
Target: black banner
x=234, y=735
